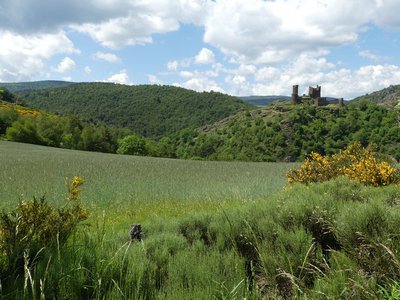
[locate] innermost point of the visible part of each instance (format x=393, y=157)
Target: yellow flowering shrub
x=355, y=162
x=36, y=225
x=19, y=109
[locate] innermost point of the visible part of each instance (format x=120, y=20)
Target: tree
x=133, y=145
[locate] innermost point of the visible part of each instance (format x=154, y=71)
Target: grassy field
x=212, y=230
x=113, y=181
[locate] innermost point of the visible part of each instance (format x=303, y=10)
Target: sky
x=238, y=47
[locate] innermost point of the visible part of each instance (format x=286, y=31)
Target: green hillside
x=286, y=132
x=388, y=97
x=27, y=125
x=149, y=110
x=34, y=85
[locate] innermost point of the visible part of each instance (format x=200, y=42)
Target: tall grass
x=113, y=180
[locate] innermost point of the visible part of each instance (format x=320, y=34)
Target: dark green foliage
x=57, y=131
x=284, y=132
x=149, y=110
x=7, y=117
x=5, y=95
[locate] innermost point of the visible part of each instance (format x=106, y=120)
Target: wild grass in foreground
x=333, y=240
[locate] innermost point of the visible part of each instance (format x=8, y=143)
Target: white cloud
x=387, y=13
x=125, y=31
x=109, y=57
x=121, y=78
x=172, y=65
x=113, y=23
x=142, y=19
x=88, y=70
x=335, y=82
x=368, y=54
x=205, y=56
x=267, y=74
x=25, y=56
x=45, y=16
x=246, y=69
x=238, y=85
x=200, y=85
x=153, y=79
x=186, y=74
x=66, y=65
x=256, y=31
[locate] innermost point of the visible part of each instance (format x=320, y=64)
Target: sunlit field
x=113, y=181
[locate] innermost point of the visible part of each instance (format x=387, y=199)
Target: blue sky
x=252, y=47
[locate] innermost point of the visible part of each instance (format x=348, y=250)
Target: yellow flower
x=354, y=162
x=73, y=191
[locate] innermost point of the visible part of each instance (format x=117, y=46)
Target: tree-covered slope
x=6, y=95
x=286, y=132
x=389, y=97
x=34, y=85
x=32, y=126
x=149, y=110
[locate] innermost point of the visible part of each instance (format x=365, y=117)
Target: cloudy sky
x=239, y=47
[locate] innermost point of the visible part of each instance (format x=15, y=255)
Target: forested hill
x=34, y=85
x=149, y=110
x=286, y=132
x=389, y=97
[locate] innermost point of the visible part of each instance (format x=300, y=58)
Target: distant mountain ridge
x=264, y=100
x=34, y=85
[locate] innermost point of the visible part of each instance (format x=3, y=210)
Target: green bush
x=133, y=145
x=36, y=226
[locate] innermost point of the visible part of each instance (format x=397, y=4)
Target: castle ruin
x=314, y=97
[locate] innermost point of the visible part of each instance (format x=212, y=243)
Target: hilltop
x=389, y=97
x=149, y=110
x=287, y=132
x=34, y=85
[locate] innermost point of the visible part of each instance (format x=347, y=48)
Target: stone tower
x=295, y=94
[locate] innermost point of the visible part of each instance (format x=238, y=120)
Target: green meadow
x=114, y=182
x=211, y=230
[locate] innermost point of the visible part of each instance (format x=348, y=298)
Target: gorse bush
x=355, y=161
x=34, y=226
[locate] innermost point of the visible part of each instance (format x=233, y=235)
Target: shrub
x=132, y=145
x=356, y=162
x=37, y=225
x=198, y=228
